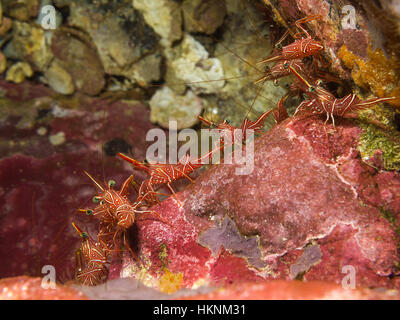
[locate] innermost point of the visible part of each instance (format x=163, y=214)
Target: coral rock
x=121, y=39
x=29, y=288
x=18, y=72
x=203, y=16
x=293, y=290
x=23, y=10
x=59, y=79
x=29, y=43
x=312, y=220
x=164, y=17
x=75, y=53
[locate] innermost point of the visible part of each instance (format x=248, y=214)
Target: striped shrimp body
x=92, y=275
x=232, y=132
x=281, y=69
x=164, y=173
x=322, y=101
x=300, y=48
x=109, y=200
x=115, y=211
x=90, y=260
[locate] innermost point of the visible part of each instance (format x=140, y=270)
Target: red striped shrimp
x=165, y=173
x=247, y=124
x=322, y=101
x=90, y=260
x=300, y=48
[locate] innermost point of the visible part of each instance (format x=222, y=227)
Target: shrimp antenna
x=297, y=74
x=77, y=228
x=95, y=182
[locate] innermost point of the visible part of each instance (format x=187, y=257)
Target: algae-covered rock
x=203, y=16
x=120, y=35
x=76, y=55
x=307, y=210
x=385, y=145
x=21, y=10
x=5, y=26
x=18, y=72
x=59, y=79
x=164, y=16
x=29, y=43
x=3, y=62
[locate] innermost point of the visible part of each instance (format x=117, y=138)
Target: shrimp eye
x=286, y=65
x=111, y=183
x=311, y=89
x=89, y=212
x=279, y=46
x=96, y=199
x=319, y=82
x=102, y=202
x=84, y=235
x=266, y=68
x=146, y=161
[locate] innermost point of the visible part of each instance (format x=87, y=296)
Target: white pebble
x=57, y=139
x=41, y=131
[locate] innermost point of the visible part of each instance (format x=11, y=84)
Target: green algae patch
x=374, y=139
x=163, y=255
x=389, y=216
x=169, y=282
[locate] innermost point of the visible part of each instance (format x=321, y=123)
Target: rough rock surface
x=164, y=17
x=310, y=210
x=43, y=183
x=203, y=16
x=110, y=28
x=295, y=197
x=29, y=43
x=74, y=53
x=293, y=290
x=194, y=66
x=29, y=288
x=358, y=36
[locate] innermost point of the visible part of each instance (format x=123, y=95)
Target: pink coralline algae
x=310, y=220
x=29, y=288
x=43, y=185
x=292, y=290
x=310, y=208
x=295, y=216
